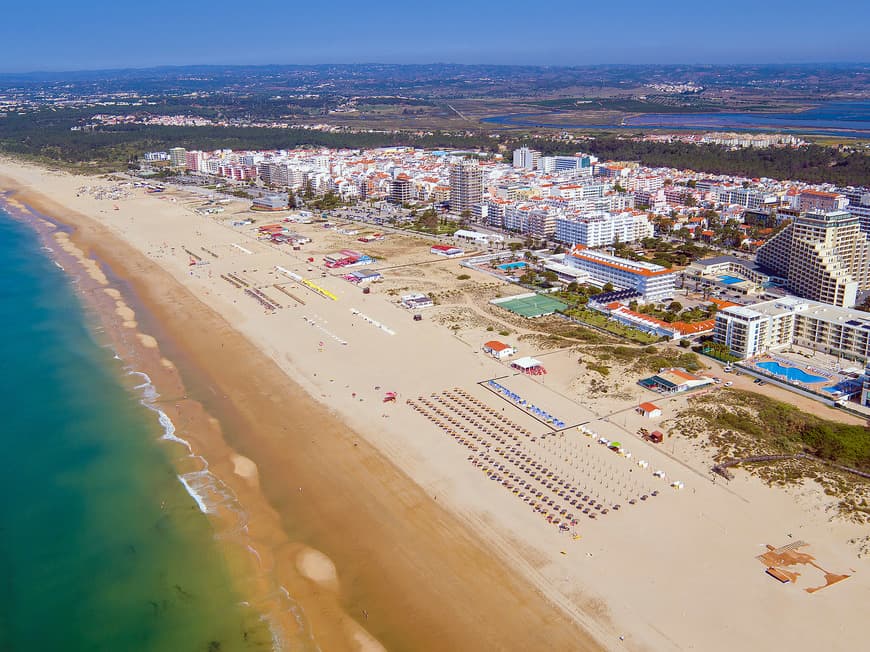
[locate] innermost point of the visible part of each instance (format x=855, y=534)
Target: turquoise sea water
x=101, y=547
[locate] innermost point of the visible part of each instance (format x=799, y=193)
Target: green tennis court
x=534, y=306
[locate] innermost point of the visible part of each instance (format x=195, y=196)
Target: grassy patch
x=775, y=425
x=647, y=359
x=599, y=320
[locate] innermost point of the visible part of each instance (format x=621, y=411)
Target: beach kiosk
x=498, y=350
x=529, y=365
x=649, y=410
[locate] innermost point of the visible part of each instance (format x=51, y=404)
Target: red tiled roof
x=626, y=268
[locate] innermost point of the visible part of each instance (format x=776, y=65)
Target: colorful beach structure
x=346, y=258
x=529, y=365
x=363, y=277
x=674, y=380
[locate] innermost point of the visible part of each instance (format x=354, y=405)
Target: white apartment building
x=495, y=212
x=601, y=229
x=859, y=206
x=570, y=163
x=646, y=183
x=575, y=191
x=751, y=198
x=780, y=323
x=547, y=164
x=177, y=157
x=653, y=282
x=466, y=185
x=526, y=159
x=538, y=221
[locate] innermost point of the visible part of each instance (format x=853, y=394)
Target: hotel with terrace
x=652, y=282
x=781, y=323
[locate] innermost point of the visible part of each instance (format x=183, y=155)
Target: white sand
x=317, y=567
x=246, y=468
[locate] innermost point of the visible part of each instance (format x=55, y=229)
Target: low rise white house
x=649, y=410
x=446, y=250
x=416, y=301
x=478, y=238
x=499, y=350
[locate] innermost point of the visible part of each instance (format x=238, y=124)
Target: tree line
x=47, y=135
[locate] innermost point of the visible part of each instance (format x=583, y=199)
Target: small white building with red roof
x=499, y=350
x=649, y=410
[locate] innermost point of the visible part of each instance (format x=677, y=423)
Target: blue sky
x=88, y=34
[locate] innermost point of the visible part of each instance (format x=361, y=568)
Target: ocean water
x=101, y=546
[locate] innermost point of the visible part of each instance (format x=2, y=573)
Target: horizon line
x=181, y=66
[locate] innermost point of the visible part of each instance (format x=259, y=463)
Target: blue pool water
x=845, y=387
x=730, y=280
x=791, y=373
x=509, y=266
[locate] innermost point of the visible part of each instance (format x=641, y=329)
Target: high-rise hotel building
x=823, y=256
x=466, y=185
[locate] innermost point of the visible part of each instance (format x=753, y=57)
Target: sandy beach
x=406, y=524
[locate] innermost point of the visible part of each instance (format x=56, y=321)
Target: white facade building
x=601, y=229
x=777, y=324
x=652, y=282
x=526, y=159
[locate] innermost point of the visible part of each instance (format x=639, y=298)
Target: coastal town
x=565, y=351
x=743, y=267
x=370, y=328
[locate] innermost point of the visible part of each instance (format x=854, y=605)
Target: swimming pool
x=844, y=387
x=509, y=266
x=730, y=280
x=790, y=373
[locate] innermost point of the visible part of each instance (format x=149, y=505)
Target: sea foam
x=210, y=494
x=206, y=490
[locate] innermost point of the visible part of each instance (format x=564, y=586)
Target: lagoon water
x=101, y=547
x=846, y=116
x=833, y=118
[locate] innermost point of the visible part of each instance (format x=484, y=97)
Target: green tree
x=429, y=220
